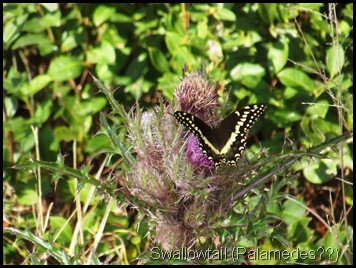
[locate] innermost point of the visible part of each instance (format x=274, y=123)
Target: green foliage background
x=296, y=58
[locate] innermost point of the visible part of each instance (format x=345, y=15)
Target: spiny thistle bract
x=182, y=194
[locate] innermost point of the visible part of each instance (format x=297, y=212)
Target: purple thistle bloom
x=195, y=154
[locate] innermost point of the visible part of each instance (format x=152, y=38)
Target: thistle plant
x=183, y=195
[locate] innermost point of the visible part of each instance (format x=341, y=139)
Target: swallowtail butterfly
x=225, y=143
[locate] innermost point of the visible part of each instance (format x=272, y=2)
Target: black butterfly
x=225, y=143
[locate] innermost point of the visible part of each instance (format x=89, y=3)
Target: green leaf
x=103, y=13
x=136, y=240
x=104, y=54
x=246, y=243
x=250, y=74
x=30, y=39
x=167, y=83
x=20, y=128
x=335, y=59
x=319, y=171
x=95, y=105
x=267, y=12
x=116, y=142
x=10, y=105
x=51, y=7
x=174, y=23
x=278, y=55
x=63, y=133
x=84, y=191
x=137, y=70
x=290, y=92
x=27, y=197
x=40, y=24
x=50, y=248
x=120, y=17
x=51, y=19
x=244, y=69
x=43, y=111
x=13, y=28
x=158, y=60
x=61, y=227
x=319, y=109
x=292, y=77
x=59, y=169
x=335, y=237
x=281, y=237
x=299, y=231
x=110, y=96
x=310, y=6
x=202, y=28
x=287, y=115
x=174, y=43
x=65, y=68
x=72, y=40
x=292, y=212
x=38, y=83
x=226, y=14
x=331, y=142
x=99, y=143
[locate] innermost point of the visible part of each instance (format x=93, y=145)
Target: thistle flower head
x=197, y=96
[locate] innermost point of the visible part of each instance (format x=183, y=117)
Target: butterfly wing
x=204, y=133
x=232, y=132
x=226, y=143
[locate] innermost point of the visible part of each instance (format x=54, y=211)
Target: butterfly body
x=225, y=143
